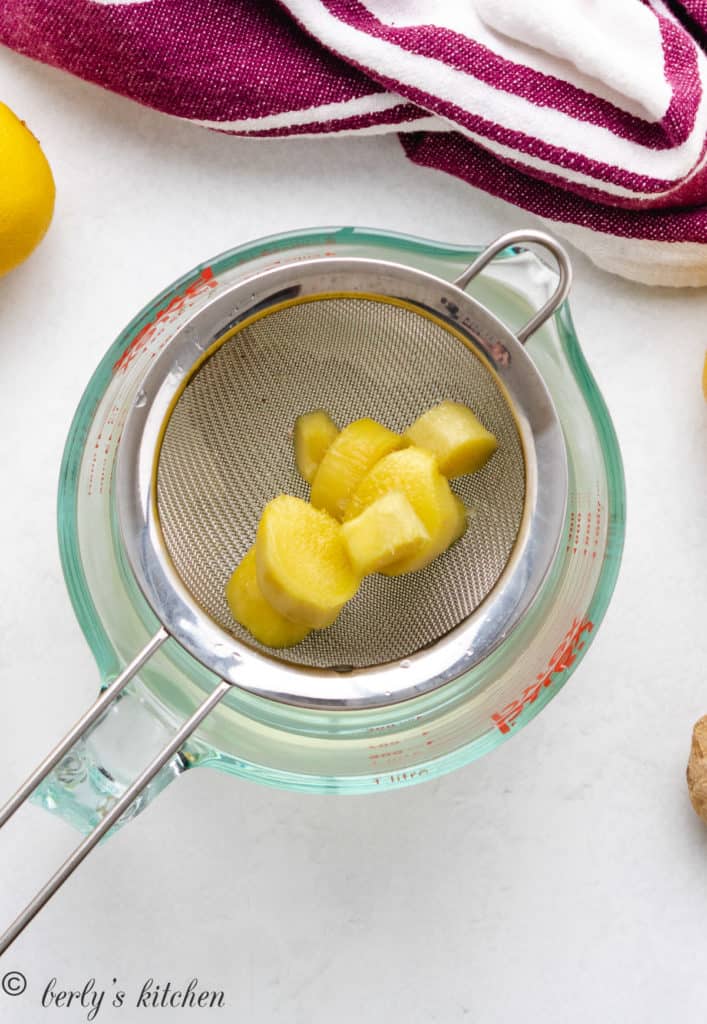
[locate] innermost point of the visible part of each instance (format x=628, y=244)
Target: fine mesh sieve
x=227, y=451
x=208, y=443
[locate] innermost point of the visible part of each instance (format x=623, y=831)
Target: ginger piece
x=462, y=522
x=452, y=432
x=313, y=435
x=254, y=613
x=303, y=570
x=414, y=472
x=387, y=531
x=352, y=453
x=697, y=768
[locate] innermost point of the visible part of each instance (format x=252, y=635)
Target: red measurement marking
x=173, y=307
x=584, y=533
x=562, y=658
x=93, y=470
x=381, y=750
x=388, y=743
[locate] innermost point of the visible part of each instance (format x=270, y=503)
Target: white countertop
x=561, y=879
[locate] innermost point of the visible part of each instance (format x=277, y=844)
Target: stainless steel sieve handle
x=517, y=238
x=128, y=797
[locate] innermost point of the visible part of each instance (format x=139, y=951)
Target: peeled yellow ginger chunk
x=356, y=449
x=249, y=607
x=462, y=523
x=388, y=530
x=414, y=472
x=452, y=432
x=313, y=434
x=303, y=569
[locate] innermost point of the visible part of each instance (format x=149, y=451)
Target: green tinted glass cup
x=350, y=751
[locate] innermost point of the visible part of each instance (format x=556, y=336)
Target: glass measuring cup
x=351, y=751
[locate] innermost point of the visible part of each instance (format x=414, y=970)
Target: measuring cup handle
x=105, y=800
x=113, y=814
x=80, y=729
x=517, y=238
x=97, y=770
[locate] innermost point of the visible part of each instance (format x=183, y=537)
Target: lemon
x=26, y=191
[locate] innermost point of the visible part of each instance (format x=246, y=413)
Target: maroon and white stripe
x=589, y=108
x=591, y=114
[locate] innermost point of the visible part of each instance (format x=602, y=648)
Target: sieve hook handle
x=518, y=238
x=122, y=805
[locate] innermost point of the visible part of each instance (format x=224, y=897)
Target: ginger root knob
x=697, y=768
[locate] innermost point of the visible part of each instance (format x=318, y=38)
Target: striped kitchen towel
x=590, y=114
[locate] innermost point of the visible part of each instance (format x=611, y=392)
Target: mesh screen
x=227, y=451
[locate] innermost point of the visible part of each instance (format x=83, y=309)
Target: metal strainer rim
x=458, y=650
